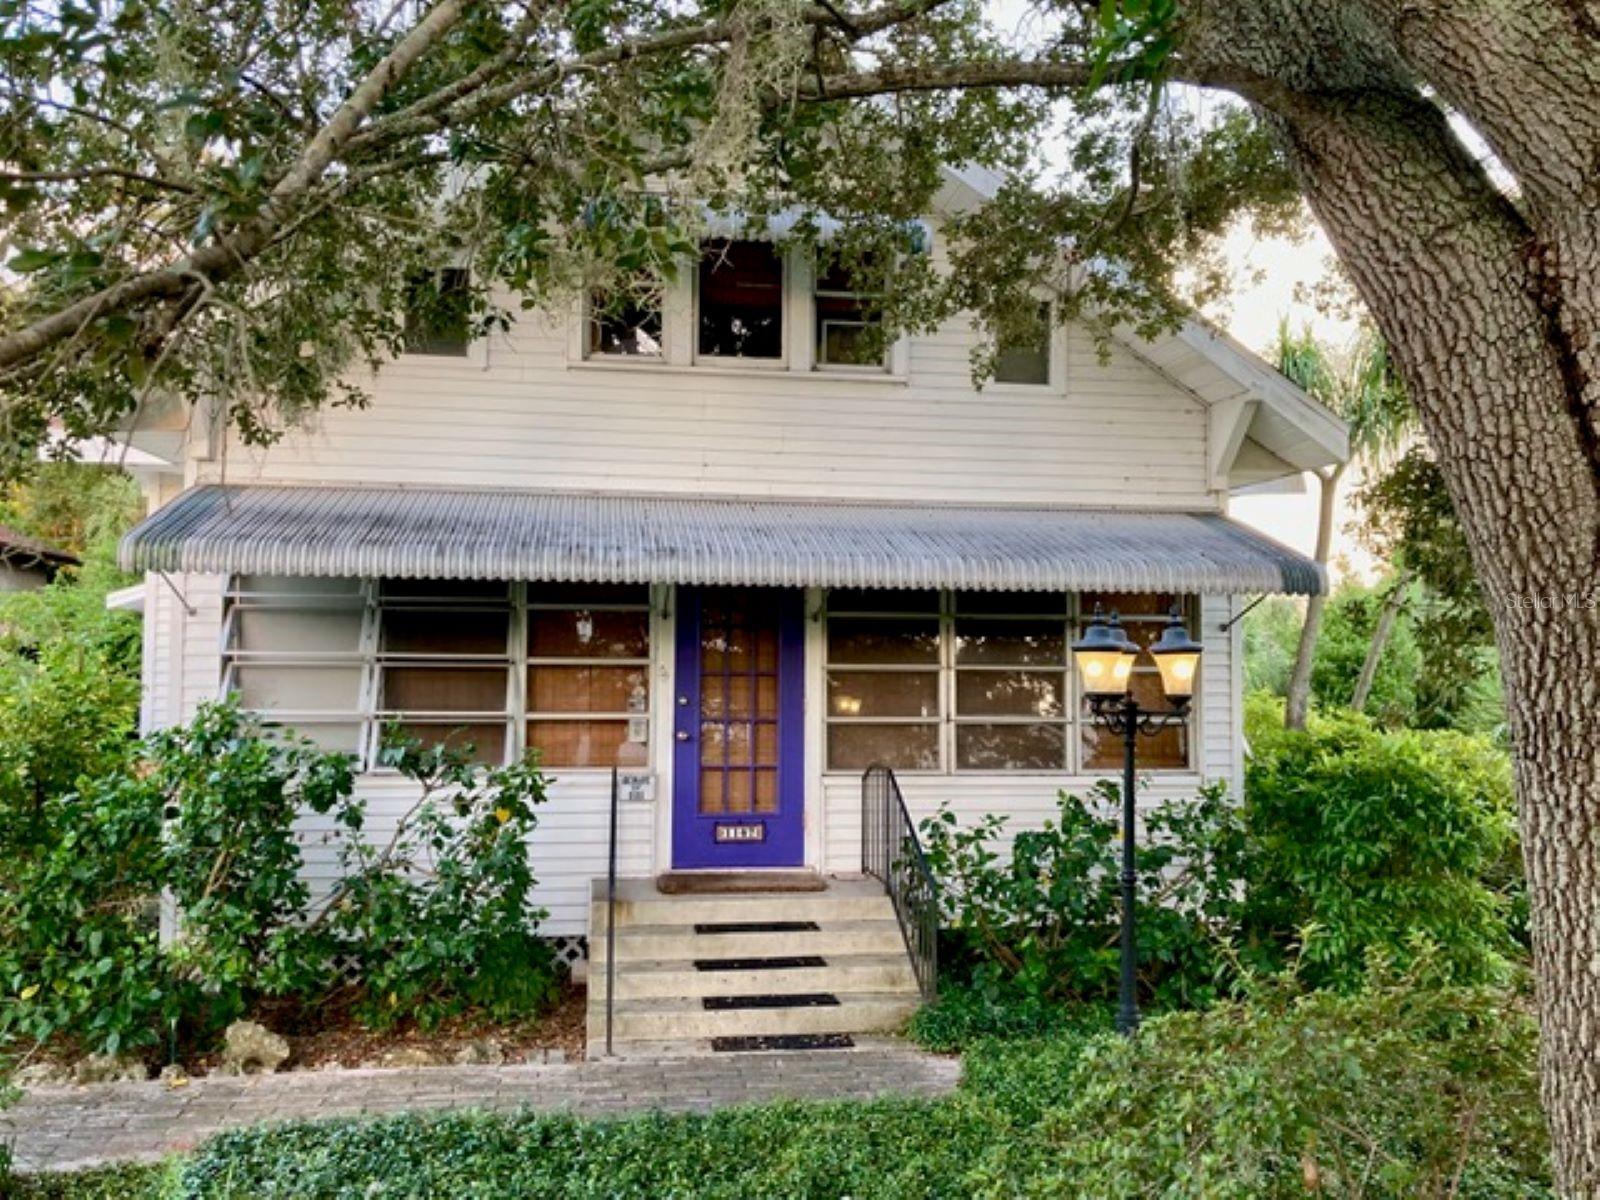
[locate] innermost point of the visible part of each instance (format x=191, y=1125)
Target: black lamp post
x=1105, y=659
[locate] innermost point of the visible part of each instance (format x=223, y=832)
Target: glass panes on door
x=738, y=703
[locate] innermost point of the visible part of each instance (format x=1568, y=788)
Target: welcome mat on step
x=727, y=883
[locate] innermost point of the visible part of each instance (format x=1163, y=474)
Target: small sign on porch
x=636, y=787
x=741, y=833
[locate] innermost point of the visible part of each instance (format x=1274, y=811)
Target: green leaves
x=437, y=918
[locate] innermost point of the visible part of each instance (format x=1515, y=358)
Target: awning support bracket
x=182, y=599
x=1241, y=614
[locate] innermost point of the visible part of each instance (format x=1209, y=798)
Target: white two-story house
x=705, y=544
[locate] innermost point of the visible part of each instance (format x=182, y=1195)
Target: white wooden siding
x=1116, y=432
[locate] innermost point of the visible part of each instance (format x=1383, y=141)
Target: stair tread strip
x=784, y=1000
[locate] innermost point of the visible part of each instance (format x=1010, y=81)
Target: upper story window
x=625, y=326
x=439, y=313
x=740, y=301
x=848, y=332
x=1024, y=357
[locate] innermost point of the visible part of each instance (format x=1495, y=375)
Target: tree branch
x=226, y=256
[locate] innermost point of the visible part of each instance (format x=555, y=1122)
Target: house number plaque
x=741, y=833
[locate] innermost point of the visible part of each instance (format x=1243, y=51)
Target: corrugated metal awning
x=566, y=537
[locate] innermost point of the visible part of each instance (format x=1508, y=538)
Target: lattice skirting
x=571, y=952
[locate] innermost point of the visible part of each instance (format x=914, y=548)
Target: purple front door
x=738, y=797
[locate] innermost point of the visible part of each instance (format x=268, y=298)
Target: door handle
x=683, y=735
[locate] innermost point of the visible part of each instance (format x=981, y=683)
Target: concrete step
x=646, y=943
x=841, y=973
x=685, y=1018
x=639, y=903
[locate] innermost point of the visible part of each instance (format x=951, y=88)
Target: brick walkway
x=61, y=1128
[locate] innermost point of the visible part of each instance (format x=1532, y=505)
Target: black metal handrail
x=611, y=914
x=891, y=853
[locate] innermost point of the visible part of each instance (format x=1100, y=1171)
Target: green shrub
x=129, y=1181
x=1363, y=843
x=1352, y=845
x=965, y=1014
x=1039, y=921
x=1394, y=1092
x=437, y=919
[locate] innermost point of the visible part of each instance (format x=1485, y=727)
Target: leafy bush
x=1396, y=844
x=965, y=1014
x=1040, y=920
x=1391, y=1093
x=1272, y=636
x=438, y=921
x=130, y=1181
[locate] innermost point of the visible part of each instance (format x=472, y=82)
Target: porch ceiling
x=584, y=537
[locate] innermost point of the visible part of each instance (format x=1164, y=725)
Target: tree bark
x=1298, y=703
x=1382, y=631
x=1487, y=335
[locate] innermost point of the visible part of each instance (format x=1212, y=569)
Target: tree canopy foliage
x=229, y=205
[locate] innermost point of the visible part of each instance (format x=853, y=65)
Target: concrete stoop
x=695, y=967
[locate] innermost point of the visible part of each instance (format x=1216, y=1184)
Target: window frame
x=468, y=343
x=384, y=715
x=589, y=324
x=1074, y=719
x=1067, y=722
x=371, y=659
x=818, y=362
x=735, y=362
x=938, y=668
x=530, y=662
x=1054, y=365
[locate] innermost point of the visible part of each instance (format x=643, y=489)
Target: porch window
x=1024, y=355
x=588, y=675
x=740, y=300
x=1011, y=681
x=1143, y=616
x=293, y=654
x=625, y=325
x=444, y=663
x=848, y=328
x=884, y=653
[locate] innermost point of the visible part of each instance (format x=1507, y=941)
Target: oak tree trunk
x=1484, y=328
x=1488, y=294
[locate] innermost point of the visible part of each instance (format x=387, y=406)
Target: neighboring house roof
x=23, y=553
x=441, y=533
